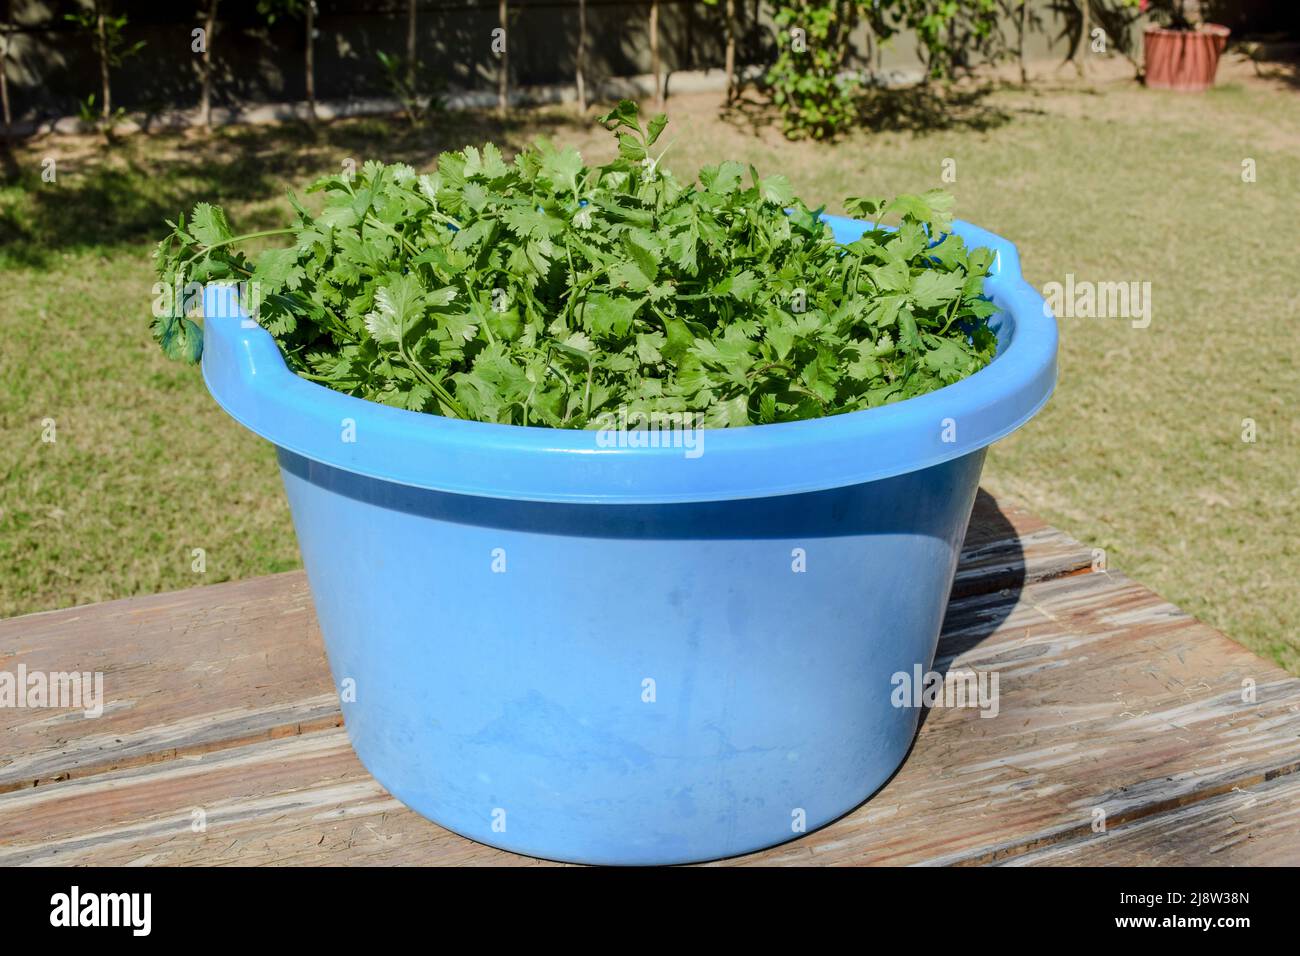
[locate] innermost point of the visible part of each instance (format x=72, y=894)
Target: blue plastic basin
x=629, y=654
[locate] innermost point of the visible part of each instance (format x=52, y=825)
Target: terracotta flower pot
x=1184, y=60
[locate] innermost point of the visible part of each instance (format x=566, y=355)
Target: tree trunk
x=730, y=61
x=311, y=61
x=871, y=48
x=654, y=52
x=4, y=78
x=843, y=13
x=410, y=45
x=1085, y=40
x=101, y=35
x=205, y=101
x=503, y=75
x=582, y=56
x=1021, y=30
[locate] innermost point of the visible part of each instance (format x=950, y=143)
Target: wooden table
x=222, y=742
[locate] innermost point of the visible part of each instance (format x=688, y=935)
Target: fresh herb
x=547, y=292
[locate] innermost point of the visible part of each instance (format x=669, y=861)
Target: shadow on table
x=981, y=603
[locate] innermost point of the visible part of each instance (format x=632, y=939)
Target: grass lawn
x=1140, y=452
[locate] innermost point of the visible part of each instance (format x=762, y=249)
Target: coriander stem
x=433, y=208
x=956, y=304
x=385, y=227
x=423, y=373
x=244, y=238
x=429, y=380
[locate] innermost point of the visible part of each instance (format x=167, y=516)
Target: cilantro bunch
x=547, y=292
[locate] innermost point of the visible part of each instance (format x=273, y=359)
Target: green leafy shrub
x=814, y=81
x=411, y=86
x=545, y=292
x=808, y=81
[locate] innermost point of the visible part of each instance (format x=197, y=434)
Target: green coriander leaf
x=397, y=305
x=208, y=225
x=930, y=289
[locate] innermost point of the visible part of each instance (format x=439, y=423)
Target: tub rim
x=246, y=374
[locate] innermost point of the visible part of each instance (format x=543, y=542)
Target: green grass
x=1139, y=453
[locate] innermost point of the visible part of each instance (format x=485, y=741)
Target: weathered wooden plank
x=298, y=800
x=1258, y=825
x=224, y=665
x=95, y=753
x=1110, y=699
x=183, y=673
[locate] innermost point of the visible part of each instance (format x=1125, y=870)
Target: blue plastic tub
x=632, y=654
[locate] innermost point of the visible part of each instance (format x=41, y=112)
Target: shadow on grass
x=118, y=195
x=916, y=109
x=924, y=109
x=1283, y=71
